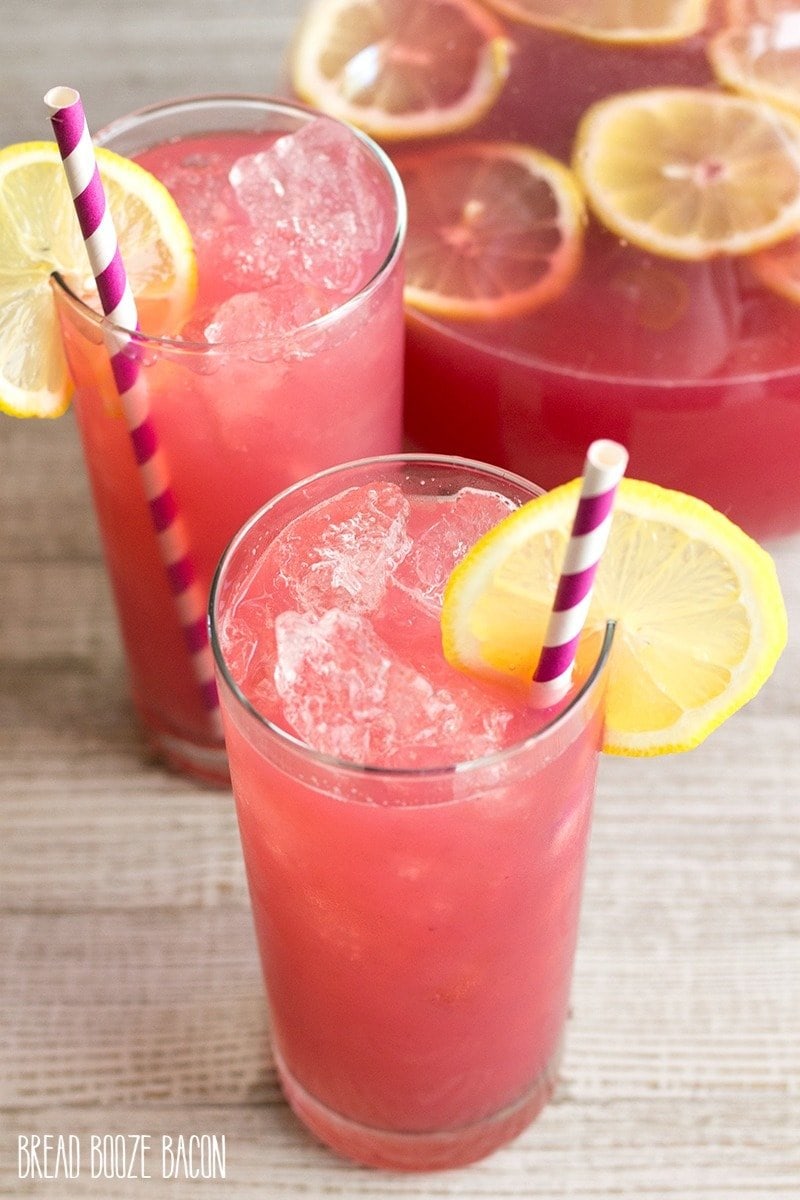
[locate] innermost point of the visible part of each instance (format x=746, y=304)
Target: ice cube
x=268, y=316
x=345, y=694
x=241, y=317
x=343, y=554
x=460, y=520
x=319, y=196
x=247, y=639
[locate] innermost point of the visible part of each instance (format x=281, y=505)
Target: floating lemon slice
x=778, y=268
x=690, y=174
x=39, y=234
x=700, y=617
x=495, y=229
x=761, y=60
x=411, y=68
x=635, y=22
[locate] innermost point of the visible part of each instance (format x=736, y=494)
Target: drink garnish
x=39, y=234
x=634, y=23
x=401, y=70
x=116, y=299
x=700, y=620
x=778, y=268
x=688, y=173
x=495, y=229
x=603, y=469
x=760, y=59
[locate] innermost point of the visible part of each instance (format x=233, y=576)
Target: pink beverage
x=694, y=366
x=290, y=360
x=414, y=840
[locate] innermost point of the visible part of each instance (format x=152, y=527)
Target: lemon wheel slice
x=700, y=616
x=39, y=235
x=690, y=174
x=778, y=268
x=495, y=229
x=761, y=59
x=410, y=68
x=636, y=22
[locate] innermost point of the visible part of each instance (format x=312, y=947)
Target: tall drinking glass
x=414, y=841
x=289, y=361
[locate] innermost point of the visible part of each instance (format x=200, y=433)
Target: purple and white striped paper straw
x=97, y=227
x=603, y=469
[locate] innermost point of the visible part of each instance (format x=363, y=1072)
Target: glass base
x=398, y=1151
x=204, y=763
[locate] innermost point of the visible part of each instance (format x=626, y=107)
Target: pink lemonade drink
x=693, y=364
x=289, y=361
x=414, y=840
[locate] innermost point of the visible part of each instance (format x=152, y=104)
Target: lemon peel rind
x=175, y=295
x=723, y=60
x=769, y=632
x=590, y=140
x=46, y=404
x=377, y=123
x=696, y=15
x=26, y=411
x=313, y=88
x=783, y=281
x=755, y=572
x=758, y=672
x=565, y=262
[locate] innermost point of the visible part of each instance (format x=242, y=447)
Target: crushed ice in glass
x=345, y=693
x=316, y=191
x=465, y=518
x=262, y=316
x=303, y=228
x=353, y=661
x=345, y=554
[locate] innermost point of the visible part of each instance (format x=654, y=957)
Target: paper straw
x=603, y=469
x=88, y=195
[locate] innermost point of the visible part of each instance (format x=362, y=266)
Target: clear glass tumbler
x=417, y=927
x=243, y=415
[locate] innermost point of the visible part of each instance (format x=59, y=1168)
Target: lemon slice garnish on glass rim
x=401, y=70
x=700, y=620
x=689, y=173
x=636, y=22
x=39, y=235
x=495, y=229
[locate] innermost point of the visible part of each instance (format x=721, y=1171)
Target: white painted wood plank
x=653, y=1149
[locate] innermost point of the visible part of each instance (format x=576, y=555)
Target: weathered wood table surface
x=130, y=997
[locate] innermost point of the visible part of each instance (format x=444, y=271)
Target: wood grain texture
x=130, y=994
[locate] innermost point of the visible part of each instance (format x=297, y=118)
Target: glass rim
x=256, y=101
x=462, y=334
x=348, y=766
